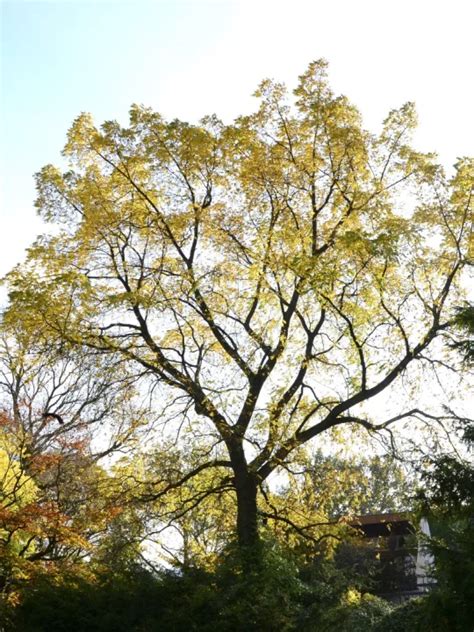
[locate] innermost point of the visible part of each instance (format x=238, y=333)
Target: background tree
x=465, y=323
x=264, y=279
x=447, y=498
x=58, y=505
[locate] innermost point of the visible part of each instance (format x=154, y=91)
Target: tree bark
x=247, y=527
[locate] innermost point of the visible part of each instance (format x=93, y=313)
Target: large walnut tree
x=265, y=278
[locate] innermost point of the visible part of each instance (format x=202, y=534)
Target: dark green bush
x=408, y=617
x=361, y=616
x=239, y=595
x=81, y=606
x=263, y=591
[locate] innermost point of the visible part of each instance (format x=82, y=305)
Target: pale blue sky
x=187, y=59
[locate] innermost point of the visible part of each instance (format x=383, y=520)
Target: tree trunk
x=247, y=528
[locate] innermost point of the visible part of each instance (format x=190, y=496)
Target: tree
x=58, y=505
x=465, y=323
x=447, y=498
x=39, y=527
x=264, y=279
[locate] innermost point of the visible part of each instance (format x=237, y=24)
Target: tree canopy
x=261, y=281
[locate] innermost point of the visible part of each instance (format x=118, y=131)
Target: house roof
x=381, y=518
x=384, y=524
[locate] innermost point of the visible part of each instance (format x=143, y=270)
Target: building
x=397, y=561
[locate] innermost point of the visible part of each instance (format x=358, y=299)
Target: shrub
x=408, y=617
